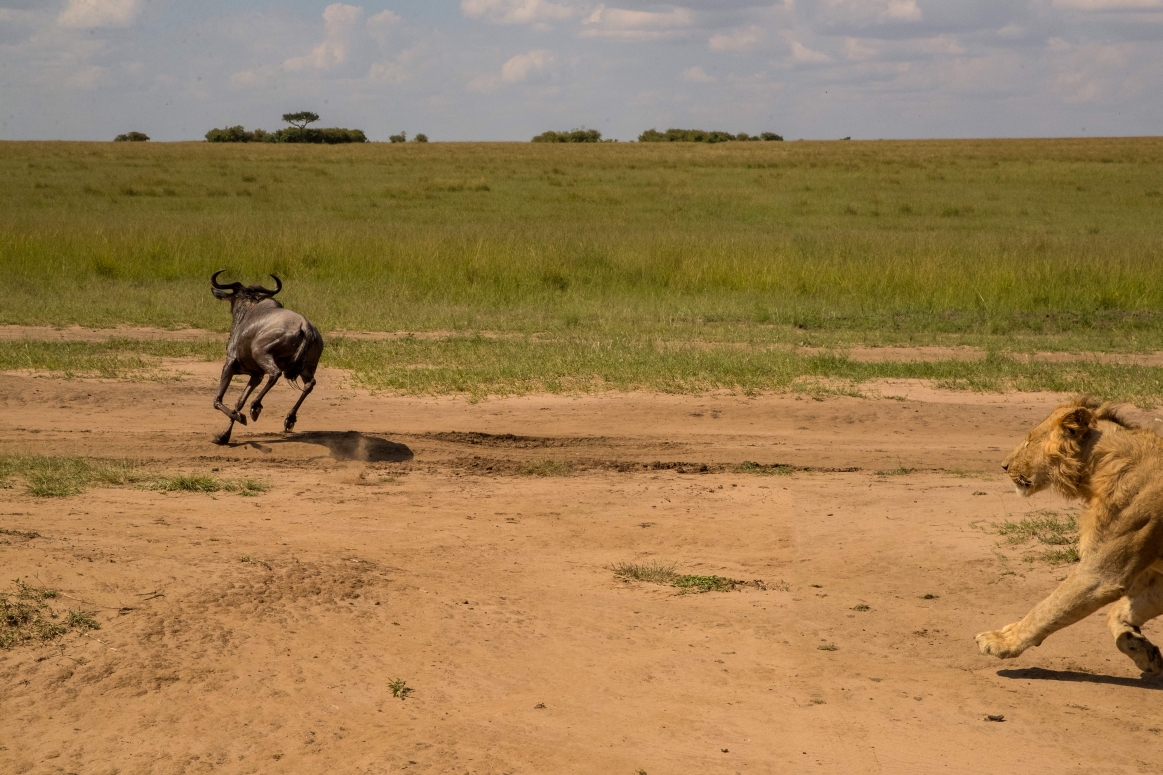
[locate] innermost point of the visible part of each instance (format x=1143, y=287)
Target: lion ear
x=1077, y=421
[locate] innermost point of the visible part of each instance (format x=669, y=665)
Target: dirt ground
x=408, y=538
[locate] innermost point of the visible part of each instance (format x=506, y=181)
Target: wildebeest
x=265, y=340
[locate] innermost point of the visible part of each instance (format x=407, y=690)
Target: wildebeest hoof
x=239, y=417
x=255, y=411
x=222, y=438
x=289, y=424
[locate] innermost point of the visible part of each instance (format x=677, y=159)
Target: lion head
x=1053, y=453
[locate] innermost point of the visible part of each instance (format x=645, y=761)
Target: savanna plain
x=624, y=458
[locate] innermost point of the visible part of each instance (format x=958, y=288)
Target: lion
x=1089, y=450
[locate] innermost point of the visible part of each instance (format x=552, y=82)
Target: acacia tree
x=300, y=119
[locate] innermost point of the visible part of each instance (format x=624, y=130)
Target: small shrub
x=548, y=467
x=26, y=617
x=131, y=137
x=701, y=136
x=749, y=467
x=654, y=572
x=400, y=138
x=420, y=138
x=699, y=584
x=400, y=688
x=1046, y=527
x=572, y=136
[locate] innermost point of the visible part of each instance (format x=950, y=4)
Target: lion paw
x=1143, y=652
x=1000, y=643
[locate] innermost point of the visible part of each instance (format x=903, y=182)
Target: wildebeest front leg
x=256, y=405
x=293, y=415
x=229, y=369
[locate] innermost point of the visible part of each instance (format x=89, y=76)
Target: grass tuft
x=400, y=688
x=1046, y=527
x=654, y=572
x=657, y=572
x=58, y=477
x=548, y=467
x=26, y=616
x=749, y=467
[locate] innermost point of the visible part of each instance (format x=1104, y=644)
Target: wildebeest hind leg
x=293, y=415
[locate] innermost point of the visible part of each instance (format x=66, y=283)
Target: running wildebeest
x=265, y=340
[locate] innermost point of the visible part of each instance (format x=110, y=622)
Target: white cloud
x=484, y=84
x=868, y=12
x=99, y=13
x=855, y=50
x=1108, y=5
x=698, y=75
x=340, y=24
x=515, y=11
x=741, y=39
x=805, y=55
x=522, y=66
x=383, y=18
x=621, y=24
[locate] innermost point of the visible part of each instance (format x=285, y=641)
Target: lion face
x=1039, y=461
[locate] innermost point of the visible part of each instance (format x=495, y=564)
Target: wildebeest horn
x=235, y=286
x=278, y=287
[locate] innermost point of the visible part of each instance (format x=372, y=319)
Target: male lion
x=1087, y=450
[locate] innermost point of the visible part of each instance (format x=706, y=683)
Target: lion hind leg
x=1143, y=603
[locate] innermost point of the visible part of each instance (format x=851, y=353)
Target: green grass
x=1014, y=244
x=665, y=574
x=208, y=484
x=1049, y=528
x=48, y=476
x=481, y=366
x=58, y=477
x=548, y=467
x=27, y=616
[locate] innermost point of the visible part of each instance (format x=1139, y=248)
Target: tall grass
x=789, y=241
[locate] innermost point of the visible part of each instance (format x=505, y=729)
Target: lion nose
x=1005, y=466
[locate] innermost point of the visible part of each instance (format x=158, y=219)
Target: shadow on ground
x=1041, y=674
x=342, y=445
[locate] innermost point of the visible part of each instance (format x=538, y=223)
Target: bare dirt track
x=411, y=538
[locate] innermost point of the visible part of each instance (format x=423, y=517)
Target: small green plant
x=699, y=584
x=654, y=572
x=400, y=688
x=775, y=469
x=58, y=477
x=1046, y=527
x=208, y=484
x=27, y=617
x=828, y=647
x=82, y=620
x=900, y=470
x=548, y=467
x=665, y=574
x=189, y=483
x=248, y=559
x=861, y=607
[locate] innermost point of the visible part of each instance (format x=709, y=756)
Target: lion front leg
x=1083, y=592
x=1142, y=603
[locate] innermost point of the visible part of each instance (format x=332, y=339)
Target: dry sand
x=400, y=539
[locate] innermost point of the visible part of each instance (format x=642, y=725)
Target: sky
x=510, y=69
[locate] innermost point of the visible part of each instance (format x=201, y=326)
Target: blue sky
x=509, y=69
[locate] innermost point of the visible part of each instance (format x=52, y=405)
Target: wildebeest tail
x=299, y=361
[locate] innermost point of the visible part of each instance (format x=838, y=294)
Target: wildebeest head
x=236, y=291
